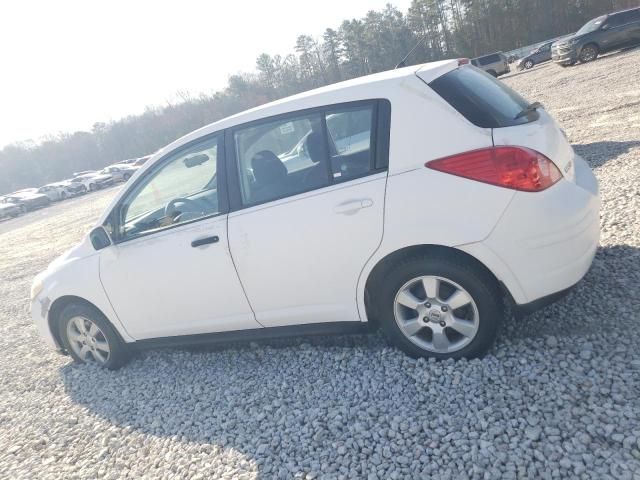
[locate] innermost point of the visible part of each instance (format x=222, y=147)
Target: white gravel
x=557, y=397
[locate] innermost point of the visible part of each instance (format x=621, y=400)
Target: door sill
x=328, y=328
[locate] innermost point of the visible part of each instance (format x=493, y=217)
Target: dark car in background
x=495, y=64
x=30, y=200
x=539, y=55
x=602, y=34
x=9, y=209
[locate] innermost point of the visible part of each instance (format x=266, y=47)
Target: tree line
x=359, y=46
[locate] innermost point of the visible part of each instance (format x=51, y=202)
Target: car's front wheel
x=588, y=53
x=528, y=64
x=88, y=337
x=439, y=306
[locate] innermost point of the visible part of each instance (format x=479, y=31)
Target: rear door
x=620, y=30
x=300, y=237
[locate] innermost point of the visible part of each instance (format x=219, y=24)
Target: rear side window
x=489, y=59
x=482, y=99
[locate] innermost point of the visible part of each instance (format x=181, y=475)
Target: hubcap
x=436, y=314
x=589, y=54
x=87, y=340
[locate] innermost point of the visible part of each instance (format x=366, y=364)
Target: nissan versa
x=418, y=200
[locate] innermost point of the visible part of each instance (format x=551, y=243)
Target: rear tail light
x=517, y=168
x=463, y=61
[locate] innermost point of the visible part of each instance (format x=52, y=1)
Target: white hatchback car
x=435, y=195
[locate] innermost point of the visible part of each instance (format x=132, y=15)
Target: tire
x=493, y=73
x=126, y=177
x=63, y=195
x=528, y=65
x=483, y=314
x=589, y=53
x=111, y=355
x=92, y=187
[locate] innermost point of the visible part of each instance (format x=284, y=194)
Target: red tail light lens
x=463, y=61
x=517, y=168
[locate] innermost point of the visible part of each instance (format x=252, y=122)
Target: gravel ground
x=557, y=397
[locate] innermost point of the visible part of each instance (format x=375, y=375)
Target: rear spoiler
x=428, y=72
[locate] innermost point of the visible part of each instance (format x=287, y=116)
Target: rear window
x=483, y=100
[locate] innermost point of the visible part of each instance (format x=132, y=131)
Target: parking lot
x=558, y=396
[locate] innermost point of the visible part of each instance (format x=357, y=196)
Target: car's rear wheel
x=588, y=53
x=528, y=64
x=439, y=307
x=92, y=187
x=88, y=337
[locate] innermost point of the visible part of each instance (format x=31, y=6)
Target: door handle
x=205, y=241
x=352, y=206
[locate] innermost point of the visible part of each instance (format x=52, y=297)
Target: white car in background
x=452, y=196
x=93, y=181
x=55, y=191
x=120, y=172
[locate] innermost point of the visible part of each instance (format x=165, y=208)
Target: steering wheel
x=170, y=209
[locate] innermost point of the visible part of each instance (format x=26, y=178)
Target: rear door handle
x=352, y=206
x=205, y=241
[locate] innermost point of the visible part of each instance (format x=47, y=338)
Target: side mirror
x=99, y=238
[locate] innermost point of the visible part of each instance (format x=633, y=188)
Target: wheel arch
x=592, y=43
x=377, y=273
x=59, y=304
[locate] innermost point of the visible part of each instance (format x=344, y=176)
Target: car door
x=169, y=271
x=618, y=31
x=300, y=237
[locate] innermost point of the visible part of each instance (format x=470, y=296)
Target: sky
x=67, y=64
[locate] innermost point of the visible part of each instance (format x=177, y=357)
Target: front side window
x=281, y=158
x=182, y=189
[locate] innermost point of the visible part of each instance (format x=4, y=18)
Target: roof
x=316, y=97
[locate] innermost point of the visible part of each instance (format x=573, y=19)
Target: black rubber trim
x=525, y=309
x=329, y=328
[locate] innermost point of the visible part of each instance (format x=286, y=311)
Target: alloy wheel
x=87, y=340
x=436, y=314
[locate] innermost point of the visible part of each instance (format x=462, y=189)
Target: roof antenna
x=403, y=62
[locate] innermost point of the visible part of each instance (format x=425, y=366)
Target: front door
x=303, y=230
x=170, y=271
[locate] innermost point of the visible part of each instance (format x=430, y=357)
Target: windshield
x=592, y=25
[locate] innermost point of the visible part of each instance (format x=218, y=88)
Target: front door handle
x=205, y=241
x=352, y=206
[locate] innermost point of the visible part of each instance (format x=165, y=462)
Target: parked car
x=54, y=191
x=602, y=34
x=29, y=199
x=495, y=64
x=71, y=188
x=94, y=181
x=141, y=161
x=9, y=209
x=120, y=172
x=539, y=55
x=450, y=209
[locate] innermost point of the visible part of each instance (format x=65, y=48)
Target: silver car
x=495, y=64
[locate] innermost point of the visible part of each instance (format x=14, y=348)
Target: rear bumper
x=545, y=242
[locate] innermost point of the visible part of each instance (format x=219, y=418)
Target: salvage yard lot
x=559, y=394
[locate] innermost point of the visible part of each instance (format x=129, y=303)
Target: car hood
x=78, y=251
x=566, y=38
